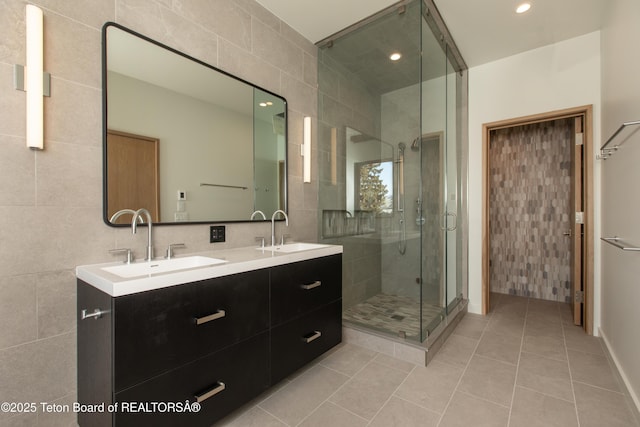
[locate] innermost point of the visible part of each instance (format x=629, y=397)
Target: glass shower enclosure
x=392, y=169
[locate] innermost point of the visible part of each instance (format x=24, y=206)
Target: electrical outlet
x=216, y=233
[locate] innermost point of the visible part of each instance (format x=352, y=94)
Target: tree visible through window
x=375, y=187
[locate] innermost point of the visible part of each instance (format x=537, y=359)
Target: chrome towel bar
x=618, y=243
x=605, y=151
x=204, y=184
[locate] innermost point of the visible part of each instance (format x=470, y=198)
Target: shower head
x=402, y=146
x=415, y=145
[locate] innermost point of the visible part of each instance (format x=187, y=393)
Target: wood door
x=576, y=233
x=584, y=238
x=133, y=180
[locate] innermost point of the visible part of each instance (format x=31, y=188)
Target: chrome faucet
x=256, y=213
x=273, y=225
x=134, y=224
x=123, y=212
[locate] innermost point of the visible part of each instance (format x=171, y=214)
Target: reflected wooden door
x=132, y=174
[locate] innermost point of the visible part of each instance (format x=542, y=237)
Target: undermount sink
x=294, y=247
x=145, y=268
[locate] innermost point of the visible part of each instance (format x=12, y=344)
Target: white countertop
x=237, y=261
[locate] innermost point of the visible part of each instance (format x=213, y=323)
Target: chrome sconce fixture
x=32, y=79
x=306, y=150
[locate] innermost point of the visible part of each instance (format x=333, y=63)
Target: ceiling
x=484, y=31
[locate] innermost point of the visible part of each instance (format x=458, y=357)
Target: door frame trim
x=587, y=112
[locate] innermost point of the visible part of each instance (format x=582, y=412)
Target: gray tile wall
x=530, y=189
x=344, y=100
x=51, y=201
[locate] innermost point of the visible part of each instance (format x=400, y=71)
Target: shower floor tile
x=392, y=314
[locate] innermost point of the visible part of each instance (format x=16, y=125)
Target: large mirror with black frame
x=188, y=142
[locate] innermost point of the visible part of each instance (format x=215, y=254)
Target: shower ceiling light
x=523, y=8
x=395, y=56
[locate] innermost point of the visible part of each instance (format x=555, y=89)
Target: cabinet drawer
x=303, y=286
x=162, y=329
x=299, y=341
x=231, y=377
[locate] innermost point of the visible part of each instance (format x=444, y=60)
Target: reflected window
x=374, y=184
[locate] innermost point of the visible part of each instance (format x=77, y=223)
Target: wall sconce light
x=306, y=150
x=32, y=78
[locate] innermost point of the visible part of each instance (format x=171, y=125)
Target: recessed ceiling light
x=395, y=56
x=523, y=8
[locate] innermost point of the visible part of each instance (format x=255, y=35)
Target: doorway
x=538, y=232
x=133, y=175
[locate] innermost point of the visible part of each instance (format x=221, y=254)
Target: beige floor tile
x=566, y=314
x=545, y=346
x=471, y=326
x=598, y=407
x=369, y=389
x=308, y=391
x=501, y=347
x=506, y=324
x=332, y=415
x=545, y=375
x=348, y=359
x=470, y=382
x=457, y=350
x=254, y=417
x=489, y=379
x=392, y=362
x=400, y=413
x=466, y=411
x=431, y=386
x=592, y=369
x=533, y=409
x=577, y=339
x=516, y=310
x=550, y=309
x=543, y=326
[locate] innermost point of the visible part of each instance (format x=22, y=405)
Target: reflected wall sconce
x=306, y=149
x=32, y=79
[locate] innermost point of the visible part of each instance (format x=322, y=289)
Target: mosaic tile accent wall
x=530, y=188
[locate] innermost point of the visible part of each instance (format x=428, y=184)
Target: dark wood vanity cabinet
x=306, y=312
x=163, y=329
x=221, y=341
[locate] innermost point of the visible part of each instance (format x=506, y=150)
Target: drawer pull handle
x=311, y=337
x=207, y=394
x=218, y=315
x=311, y=285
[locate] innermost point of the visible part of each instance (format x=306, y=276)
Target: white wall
x=563, y=75
x=218, y=151
x=620, y=198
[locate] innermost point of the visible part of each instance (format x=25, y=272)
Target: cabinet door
x=160, y=330
x=225, y=380
x=94, y=354
x=296, y=343
x=302, y=286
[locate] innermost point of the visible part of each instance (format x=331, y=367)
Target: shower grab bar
x=204, y=184
x=618, y=243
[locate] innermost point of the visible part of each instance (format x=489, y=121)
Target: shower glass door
x=389, y=165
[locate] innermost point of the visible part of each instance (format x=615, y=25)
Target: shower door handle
x=445, y=225
x=455, y=221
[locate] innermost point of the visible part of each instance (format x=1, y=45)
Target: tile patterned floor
x=524, y=365
x=392, y=314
